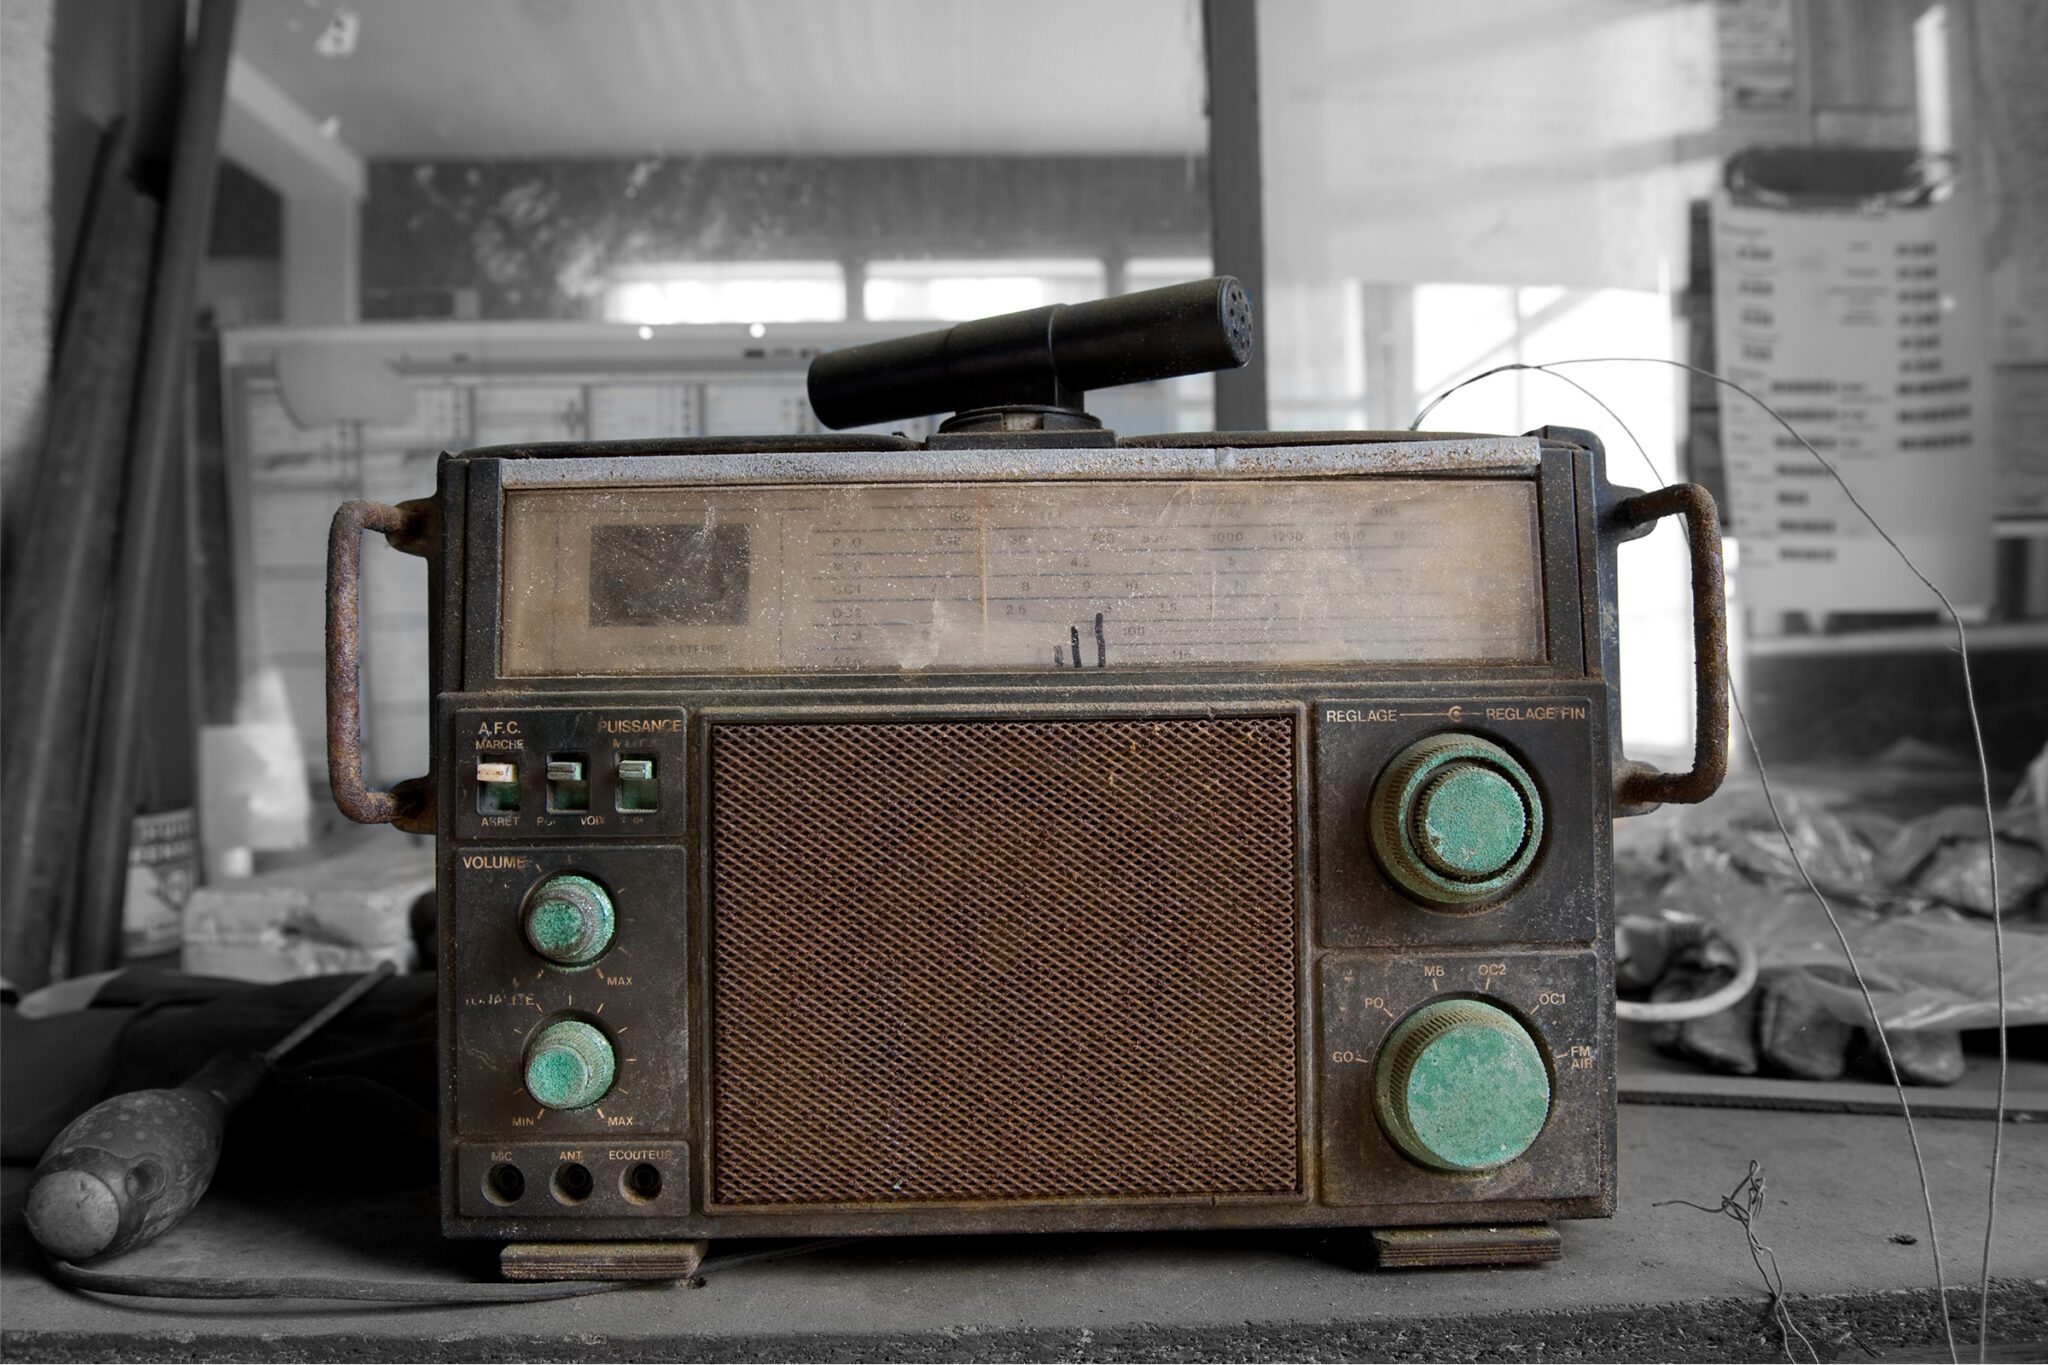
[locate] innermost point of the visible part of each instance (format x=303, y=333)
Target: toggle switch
x=638, y=789
x=568, y=783
x=497, y=787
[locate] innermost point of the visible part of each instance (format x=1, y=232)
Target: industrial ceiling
x=440, y=79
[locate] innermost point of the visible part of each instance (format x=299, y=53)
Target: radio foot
x=1481, y=1244
x=600, y=1260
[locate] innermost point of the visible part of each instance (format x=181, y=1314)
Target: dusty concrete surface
x=1862, y=1328
x=1659, y=1281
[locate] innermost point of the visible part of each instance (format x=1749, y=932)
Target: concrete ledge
x=1724, y=1329
x=1659, y=1280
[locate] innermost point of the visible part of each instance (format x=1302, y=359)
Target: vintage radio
x=1024, y=829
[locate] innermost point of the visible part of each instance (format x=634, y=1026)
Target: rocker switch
x=568, y=783
x=638, y=788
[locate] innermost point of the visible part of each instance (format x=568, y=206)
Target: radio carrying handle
x=1638, y=784
x=410, y=804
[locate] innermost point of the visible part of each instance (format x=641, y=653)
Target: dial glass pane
x=1126, y=574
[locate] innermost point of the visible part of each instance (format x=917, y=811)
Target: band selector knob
x=1461, y=1086
x=1455, y=820
x=569, y=920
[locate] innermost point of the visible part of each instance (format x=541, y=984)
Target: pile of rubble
x=1913, y=898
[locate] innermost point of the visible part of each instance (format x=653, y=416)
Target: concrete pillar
x=322, y=259
x=321, y=180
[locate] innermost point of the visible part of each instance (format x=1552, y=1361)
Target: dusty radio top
x=934, y=564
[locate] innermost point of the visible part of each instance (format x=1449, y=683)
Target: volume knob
x=569, y=920
x=570, y=1065
x=1461, y=1086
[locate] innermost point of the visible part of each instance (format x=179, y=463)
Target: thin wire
x=1750, y=1192
x=1984, y=784
x=1877, y=1025
x=1976, y=734
x=1884, y=1043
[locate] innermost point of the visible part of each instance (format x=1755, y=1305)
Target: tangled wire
x=1744, y=1203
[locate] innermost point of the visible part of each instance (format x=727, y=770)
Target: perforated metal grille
x=1002, y=961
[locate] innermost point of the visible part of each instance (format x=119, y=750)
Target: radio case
x=944, y=929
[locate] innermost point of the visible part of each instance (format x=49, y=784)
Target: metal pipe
x=1237, y=223
x=155, y=449
x=62, y=571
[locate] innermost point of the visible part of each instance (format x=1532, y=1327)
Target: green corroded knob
x=1455, y=820
x=569, y=1065
x=569, y=920
x=1469, y=821
x=1461, y=1086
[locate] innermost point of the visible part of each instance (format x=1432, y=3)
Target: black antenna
x=1030, y=371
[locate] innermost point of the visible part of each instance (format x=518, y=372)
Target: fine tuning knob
x=569, y=920
x=570, y=1065
x=1455, y=820
x=1461, y=1086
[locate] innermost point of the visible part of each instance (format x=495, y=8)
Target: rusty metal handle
x=409, y=805
x=1638, y=784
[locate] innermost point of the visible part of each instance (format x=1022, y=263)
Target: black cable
x=325, y=1287
x=719, y=1264
x=426, y=1292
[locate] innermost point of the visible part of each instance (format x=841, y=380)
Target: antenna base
x=1021, y=417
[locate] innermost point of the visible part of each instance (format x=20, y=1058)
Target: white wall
x=1496, y=183
x=25, y=267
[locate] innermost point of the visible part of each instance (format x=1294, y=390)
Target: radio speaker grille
x=1003, y=961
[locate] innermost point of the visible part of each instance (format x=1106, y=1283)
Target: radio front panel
x=1050, y=959
x=923, y=922
x=1551, y=996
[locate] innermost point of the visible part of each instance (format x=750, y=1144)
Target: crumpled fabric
x=1926, y=970
x=1912, y=898
x=366, y=1083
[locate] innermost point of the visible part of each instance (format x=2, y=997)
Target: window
x=1156, y=272
x=727, y=291
x=950, y=291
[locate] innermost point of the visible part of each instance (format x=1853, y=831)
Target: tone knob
x=568, y=920
x=569, y=1065
x=1461, y=1086
x=1455, y=820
